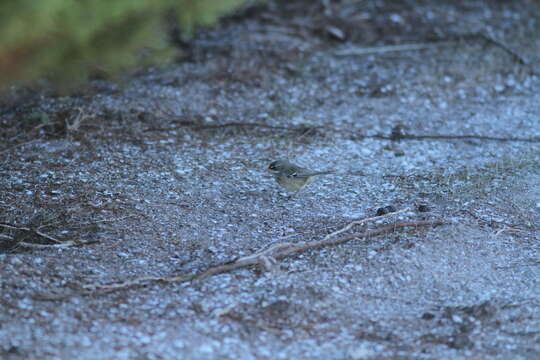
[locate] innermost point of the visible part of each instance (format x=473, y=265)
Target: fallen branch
x=267, y=257
x=295, y=249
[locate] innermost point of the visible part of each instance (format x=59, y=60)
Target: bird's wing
x=307, y=173
x=296, y=172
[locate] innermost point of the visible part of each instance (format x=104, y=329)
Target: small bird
x=293, y=177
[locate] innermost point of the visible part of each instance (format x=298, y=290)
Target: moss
x=67, y=39
x=202, y=12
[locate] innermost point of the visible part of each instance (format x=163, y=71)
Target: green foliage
x=203, y=12
x=65, y=39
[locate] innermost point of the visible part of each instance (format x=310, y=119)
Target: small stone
x=15, y=261
x=362, y=352
x=335, y=32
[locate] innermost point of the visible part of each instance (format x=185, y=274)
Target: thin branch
x=249, y=260
x=518, y=58
x=449, y=41
x=61, y=245
x=289, y=250
x=457, y=137
x=357, y=51
x=268, y=256
x=14, y=227
x=508, y=230
x=367, y=234
x=363, y=221
x=138, y=281
x=42, y=234
x=227, y=125
x=35, y=231
x=350, y=131
x=80, y=225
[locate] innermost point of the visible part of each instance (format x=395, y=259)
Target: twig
x=266, y=257
x=356, y=51
x=456, y=137
x=58, y=244
x=138, y=281
x=226, y=125
x=245, y=261
x=14, y=227
x=61, y=245
x=363, y=221
x=36, y=231
x=42, y=234
x=289, y=250
x=267, y=252
x=509, y=230
x=350, y=131
x=367, y=234
x=102, y=221
x=496, y=43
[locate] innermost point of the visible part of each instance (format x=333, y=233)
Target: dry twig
x=62, y=245
x=36, y=231
x=356, y=51
x=58, y=244
x=139, y=281
x=267, y=257
x=359, y=51
x=295, y=249
x=355, y=132
x=363, y=221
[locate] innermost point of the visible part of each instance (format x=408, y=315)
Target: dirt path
x=165, y=176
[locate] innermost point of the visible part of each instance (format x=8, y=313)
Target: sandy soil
x=113, y=198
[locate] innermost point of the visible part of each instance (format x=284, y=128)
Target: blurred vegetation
x=65, y=40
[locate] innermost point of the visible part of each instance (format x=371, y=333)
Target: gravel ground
x=158, y=177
